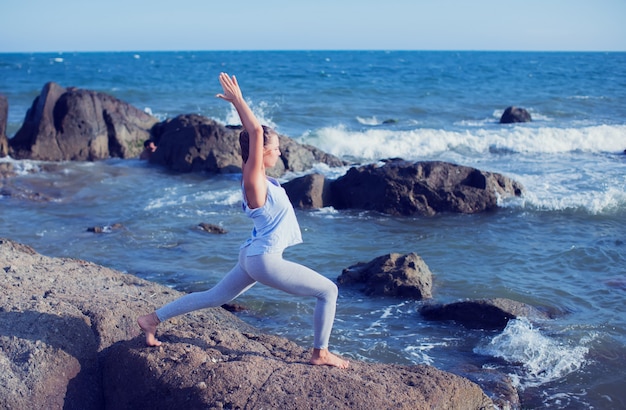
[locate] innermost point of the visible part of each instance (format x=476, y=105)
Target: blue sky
x=142, y=25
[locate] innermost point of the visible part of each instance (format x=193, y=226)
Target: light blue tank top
x=275, y=223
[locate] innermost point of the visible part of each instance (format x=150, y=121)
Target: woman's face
x=271, y=152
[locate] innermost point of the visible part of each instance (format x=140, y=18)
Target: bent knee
x=331, y=291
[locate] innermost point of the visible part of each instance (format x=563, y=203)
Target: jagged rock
x=515, y=114
x=192, y=143
x=69, y=339
x=493, y=314
x=74, y=124
x=4, y=115
x=391, y=275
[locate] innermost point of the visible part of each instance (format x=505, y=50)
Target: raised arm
x=254, y=180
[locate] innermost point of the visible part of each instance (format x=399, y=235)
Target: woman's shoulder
x=274, y=181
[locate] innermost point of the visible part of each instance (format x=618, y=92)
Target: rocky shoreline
x=68, y=335
x=69, y=340
x=70, y=124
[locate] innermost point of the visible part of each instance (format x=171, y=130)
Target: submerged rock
x=211, y=228
x=483, y=313
x=105, y=228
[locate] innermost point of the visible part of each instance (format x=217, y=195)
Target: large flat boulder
x=69, y=340
x=400, y=187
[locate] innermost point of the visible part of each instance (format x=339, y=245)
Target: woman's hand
x=232, y=92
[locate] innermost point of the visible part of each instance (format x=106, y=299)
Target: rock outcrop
x=515, y=114
x=71, y=124
x=4, y=114
x=492, y=314
x=69, y=340
x=399, y=187
x=192, y=143
x=391, y=275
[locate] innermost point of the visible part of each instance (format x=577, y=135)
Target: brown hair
x=244, y=140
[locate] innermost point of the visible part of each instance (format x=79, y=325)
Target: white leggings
x=271, y=270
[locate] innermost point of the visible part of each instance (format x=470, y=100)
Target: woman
x=260, y=257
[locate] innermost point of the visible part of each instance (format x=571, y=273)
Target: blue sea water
x=561, y=247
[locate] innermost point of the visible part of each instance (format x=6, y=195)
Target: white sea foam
x=419, y=353
x=262, y=111
x=374, y=144
x=561, y=169
x=172, y=197
x=596, y=202
x=368, y=121
x=541, y=358
x=22, y=167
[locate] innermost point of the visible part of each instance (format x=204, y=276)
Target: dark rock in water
x=105, y=228
x=192, y=143
x=211, y=228
x=391, y=275
x=309, y=192
x=399, y=187
x=66, y=124
x=4, y=114
x=515, y=114
x=492, y=314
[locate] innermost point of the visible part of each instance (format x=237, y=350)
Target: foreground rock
x=399, y=187
x=391, y=275
x=69, y=340
x=193, y=143
x=71, y=124
x=493, y=314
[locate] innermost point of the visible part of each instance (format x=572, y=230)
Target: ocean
x=561, y=247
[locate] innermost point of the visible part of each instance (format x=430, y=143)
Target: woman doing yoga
x=260, y=257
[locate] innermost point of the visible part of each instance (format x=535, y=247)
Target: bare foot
x=322, y=357
x=148, y=323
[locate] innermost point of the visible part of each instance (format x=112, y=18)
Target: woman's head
x=270, y=137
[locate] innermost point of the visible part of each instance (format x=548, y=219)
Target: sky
x=154, y=25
